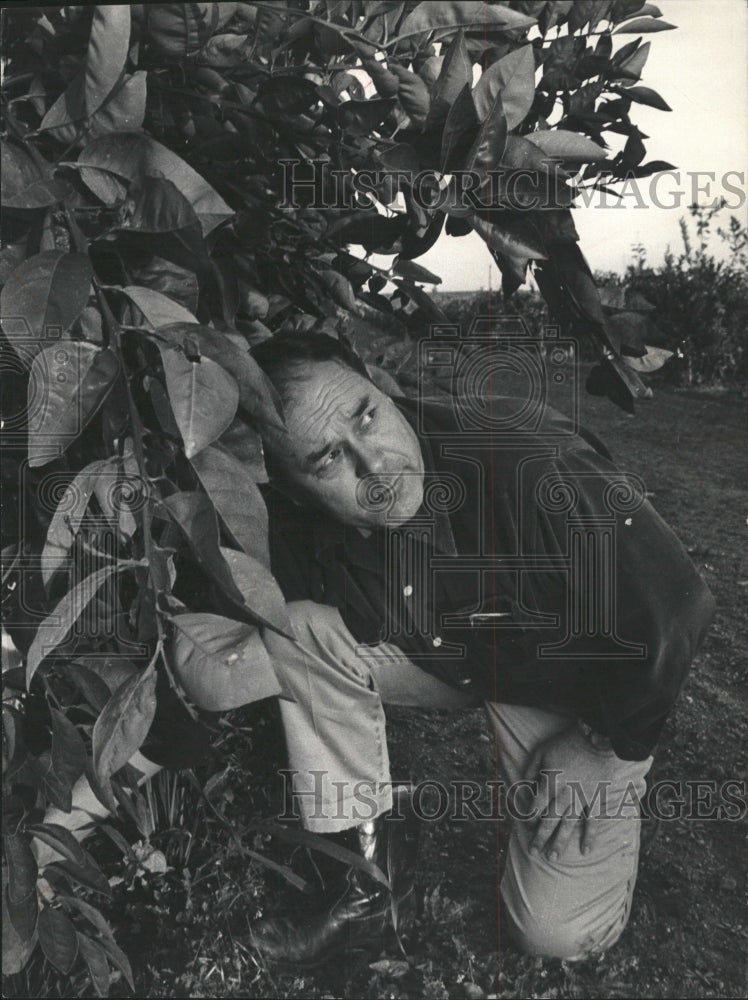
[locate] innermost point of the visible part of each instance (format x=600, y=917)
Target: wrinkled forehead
x=308, y=383
x=318, y=396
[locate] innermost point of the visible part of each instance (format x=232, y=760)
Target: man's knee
x=559, y=937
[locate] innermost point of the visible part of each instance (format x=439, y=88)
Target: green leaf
x=232, y=488
x=132, y=156
x=364, y=117
x=60, y=839
x=635, y=63
x=455, y=74
x=415, y=272
x=19, y=928
x=385, y=82
x=473, y=16
x=68, y=756
x=113, y=671
x=625, y=52
x=287, y=95
x=203, y=397
x=623, y=9
x=513, y=237
x=68, y=384
x=119, y=959
x=581, y=12
x=488, y=148
x=221, y=663
x=98, y=967
x=123, y=725
x=44, y=297
x=374, y=232
x=433, y=312
x=123, y=109
x=256, y=393
x=105, y=185
x=22, y=867
x=513, y=79
x=532, y=177
x=67, y=518
x=89, y=874
x=56, y=626
x=11, y=735
x=645, y=95
x=157, y=308
x=93, y=688
x=326, y=845
x=654, y=358
x=16, y=947
x=461, y=118
x=179, y=30
x=196, y=516
x=243, y=442
x=177, y=283
x=413, y=94
x=58, y=939
x=91, y=914
x=106, y=56
x=569, y=146
x=24, y=184
x=224, y=51
x=154, y=205
x=258, y=587
x=643, y=25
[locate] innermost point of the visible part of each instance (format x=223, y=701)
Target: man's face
x=347, y=448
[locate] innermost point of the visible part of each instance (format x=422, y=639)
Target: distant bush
x=462, y=308
x=693, y=305
x=701, y=304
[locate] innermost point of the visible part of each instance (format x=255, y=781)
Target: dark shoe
x=358, y=911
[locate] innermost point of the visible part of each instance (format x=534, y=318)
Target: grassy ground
x=186, y=930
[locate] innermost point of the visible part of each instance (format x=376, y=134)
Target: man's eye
x=368, y=417
x=327, y=462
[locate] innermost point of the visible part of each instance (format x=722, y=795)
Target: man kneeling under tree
x=372, y=509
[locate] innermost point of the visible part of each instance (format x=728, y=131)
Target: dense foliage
x=151, y=236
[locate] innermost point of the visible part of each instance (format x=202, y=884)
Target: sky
x=701, y=70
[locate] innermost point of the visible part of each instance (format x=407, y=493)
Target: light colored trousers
x=334, y=725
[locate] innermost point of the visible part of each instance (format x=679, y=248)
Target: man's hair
x=285, y=357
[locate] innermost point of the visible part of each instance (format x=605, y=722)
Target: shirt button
x=436, y=641
x=407, y=591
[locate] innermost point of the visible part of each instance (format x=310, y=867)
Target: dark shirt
x=535, y=573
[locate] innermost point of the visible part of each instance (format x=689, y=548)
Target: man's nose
x=370, y=460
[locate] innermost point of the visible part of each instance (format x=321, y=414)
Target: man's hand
x=572, y=780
